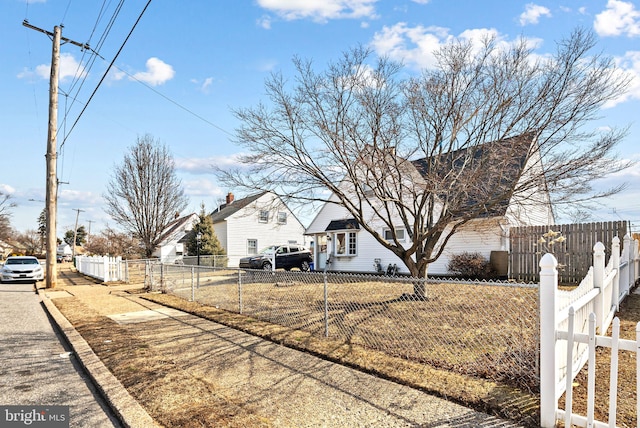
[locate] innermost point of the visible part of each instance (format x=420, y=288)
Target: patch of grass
x=173, y=396
x=487, y=396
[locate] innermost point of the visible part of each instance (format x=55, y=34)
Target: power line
x=106, y=72
x=175, y=102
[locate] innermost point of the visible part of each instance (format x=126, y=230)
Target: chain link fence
x=487, y=330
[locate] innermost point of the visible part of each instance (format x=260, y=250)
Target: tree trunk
x=419, y=273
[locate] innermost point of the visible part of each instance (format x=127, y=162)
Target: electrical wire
x=84, y=72
x=175, y=102
x=106, y=72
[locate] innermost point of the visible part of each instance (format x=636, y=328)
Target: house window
x=264, y=216
x=282, y=217
x=345, y=244
x=252, y=246
x=388, y=235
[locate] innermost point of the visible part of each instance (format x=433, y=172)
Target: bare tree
x=5, y=213
x=144, y=193
x=112, y=243
x=433, y=152
x=30, y=241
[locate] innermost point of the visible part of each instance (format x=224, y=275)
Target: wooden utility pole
x=51, y=156
x=75, y=234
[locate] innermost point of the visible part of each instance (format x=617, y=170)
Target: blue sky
x=187, y=64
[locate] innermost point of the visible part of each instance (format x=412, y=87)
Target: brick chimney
x=229, y=198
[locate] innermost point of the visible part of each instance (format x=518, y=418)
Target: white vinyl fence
x=101, y=267
x=573, y=324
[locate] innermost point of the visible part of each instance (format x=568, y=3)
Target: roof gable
x=226, y=210
x=175, y=226
x=485, y=174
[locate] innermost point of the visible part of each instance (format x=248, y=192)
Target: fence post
x=326, y=305
x=239, y=291
x=105, y=267
x=193, y=287
x=548, y=325
x=627, y=254
x=615, y=256
x=598, y=282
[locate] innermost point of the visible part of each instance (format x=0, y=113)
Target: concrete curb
x=128, y=410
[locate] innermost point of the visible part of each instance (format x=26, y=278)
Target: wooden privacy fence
x=572, y=324
x=574, y=254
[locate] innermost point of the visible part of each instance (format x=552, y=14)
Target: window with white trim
x=263, y=217
x=345, y=244
x=388, y=234
x=282, y=217
x=252, y=246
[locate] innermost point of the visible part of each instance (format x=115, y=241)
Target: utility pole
x=89, y=233
x=51, y=156
x=75, y=234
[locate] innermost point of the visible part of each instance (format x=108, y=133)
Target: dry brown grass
x=486, y=331
x=170, y=394
x=480, y=394
x=167, y=391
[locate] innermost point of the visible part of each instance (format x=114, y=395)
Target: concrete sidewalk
x=287, y=387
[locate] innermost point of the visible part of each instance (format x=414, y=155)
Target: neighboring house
x=171, y=245
x=11, y=248
x=247, y=225
x=338, y=235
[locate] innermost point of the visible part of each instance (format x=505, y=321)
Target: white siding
x=481, y=236
x=244, y=225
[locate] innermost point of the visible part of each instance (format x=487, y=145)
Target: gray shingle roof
x=226, y=210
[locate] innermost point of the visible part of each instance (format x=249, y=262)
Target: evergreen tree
x=209, y=243
x=81, y=236
x=42, y=227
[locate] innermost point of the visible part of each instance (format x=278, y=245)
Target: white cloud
x=205, y=165
x=7, y=189
x=158, y=72
x=203, y=85
x=201, y=187
x=68, y=68
x=619, y=18
x=320, y=10
x=532, y=13
x=416, y=45
x=264, y=22
x=421, y=1
x=629, y=67
x=267, y=65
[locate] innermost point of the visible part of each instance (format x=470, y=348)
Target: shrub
x=470, y=265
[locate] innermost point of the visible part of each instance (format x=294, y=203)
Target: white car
x=21, y=268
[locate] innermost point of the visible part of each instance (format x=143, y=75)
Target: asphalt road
x=36, y=367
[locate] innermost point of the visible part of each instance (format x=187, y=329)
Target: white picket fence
x=573, y=324
x=101, y=267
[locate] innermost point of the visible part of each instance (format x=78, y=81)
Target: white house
x=170, y=248
x=247, y=225
x=340, y=238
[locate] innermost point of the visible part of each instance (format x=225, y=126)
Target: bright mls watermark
x=34, y=416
